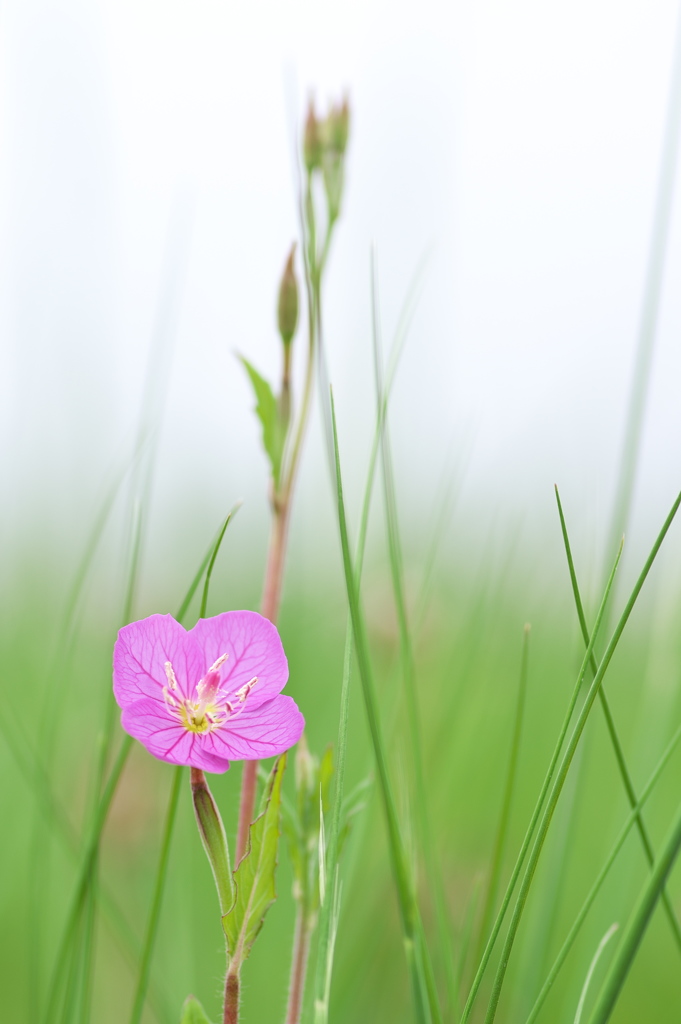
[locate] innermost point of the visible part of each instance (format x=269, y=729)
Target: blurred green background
x=468, y=658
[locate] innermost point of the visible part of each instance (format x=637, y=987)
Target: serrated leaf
x=267, y=410
x=193, y=1012
x=254, y=877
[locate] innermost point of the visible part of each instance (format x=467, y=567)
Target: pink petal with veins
x=166, y=738
x=258, y=732
x=254, y=649
x=140, y=654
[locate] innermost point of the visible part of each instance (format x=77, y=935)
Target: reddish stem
x=301, y=948
x=270, y=609
x=231, y=1013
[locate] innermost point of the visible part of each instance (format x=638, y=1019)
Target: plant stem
x=281, y=502
x=301, y=949
x=271, y=598
x=231, y=1011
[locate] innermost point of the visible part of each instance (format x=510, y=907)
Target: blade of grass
x=171, y=814
x=567, y=759
x=637, y=924
x=92, y=849
x=52, y=705
x=602, y=875
x=209, y=571
x=417, y=957
x=324, y=950
x=328, y=910
x=83, y=882
x=592, y=967
x=548, y=778
x=612, y=731
x=157, y=901
x=408, y=667
x=504, y=816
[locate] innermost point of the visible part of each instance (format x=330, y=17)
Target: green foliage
x=193, y=1012
x=254, y=877
x=268, y=412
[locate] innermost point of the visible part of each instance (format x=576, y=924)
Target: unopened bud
x=338, y=127
x=213, y=837
x=313, y=146
x=287, y=306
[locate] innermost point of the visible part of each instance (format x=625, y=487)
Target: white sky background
x=521, y=140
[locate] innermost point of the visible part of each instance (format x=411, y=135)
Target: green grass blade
x=100, y=815
x=157, y=901
x=548, y=779
x=602, y=875
x=637, y=924
x=327, y=912
x=91, y=853
x=416, y=955
x=592, y=967
x=612, y=732
x=408, y=667
x=570, y=751
x=162, y=870
x=505, y=813
x=214, y=555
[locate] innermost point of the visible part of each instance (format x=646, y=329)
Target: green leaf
x=254, y=877
x=193, y=1012
x=267, y=409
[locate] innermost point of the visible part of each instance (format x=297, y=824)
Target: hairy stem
x=231, y=1011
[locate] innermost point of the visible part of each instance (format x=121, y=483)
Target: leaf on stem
x=267, y=410
x=254, y=877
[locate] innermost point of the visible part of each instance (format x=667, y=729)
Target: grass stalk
x=417, y=955
x=592, y=969
x=614, y=737
x=102, y=808
x=602, y=875
x=548, y=778
x=408, y=667
x=569, y=754
x=637, y=925
x=157, y=900
x=505, y=813
x=171, y=815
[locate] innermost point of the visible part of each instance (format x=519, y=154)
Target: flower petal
x=254, y=649
x=140, y=654
x=258, y=732
x=152, y=724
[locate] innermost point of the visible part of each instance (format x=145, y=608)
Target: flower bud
x=313, y=146
x=213, y=837
x=338, y=127
x=287, y=306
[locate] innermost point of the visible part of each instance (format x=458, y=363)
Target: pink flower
x=206, y=696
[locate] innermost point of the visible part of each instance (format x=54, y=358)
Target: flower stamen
x=170, y=676
x=243, y=691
